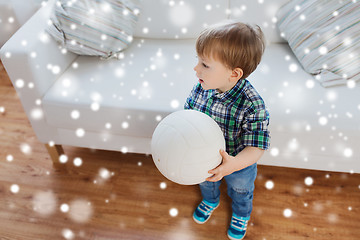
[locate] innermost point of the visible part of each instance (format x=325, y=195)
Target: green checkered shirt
x=240, y=113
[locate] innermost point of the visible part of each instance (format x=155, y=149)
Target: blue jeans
x=240, y=186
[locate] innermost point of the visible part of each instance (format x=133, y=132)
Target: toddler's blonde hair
x=235, y=44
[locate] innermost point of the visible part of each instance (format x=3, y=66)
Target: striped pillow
x=325, y=37
x=94, y=27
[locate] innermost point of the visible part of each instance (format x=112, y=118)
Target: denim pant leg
x=240, y=186
x=210, y=191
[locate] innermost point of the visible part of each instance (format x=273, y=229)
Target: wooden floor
x=122, y=196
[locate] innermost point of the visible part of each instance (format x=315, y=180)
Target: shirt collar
x=233, y=93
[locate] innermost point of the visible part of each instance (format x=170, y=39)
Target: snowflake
x=309, y=181
x=287, y=213
x=25, y=148
x=14, y=188
x=9, y=158
x=80, y=132
x=63, y=158
x=44, y=202
x=64, y=208
x=269, y=184
x=77, y=162
x=173, y=212
x=80, y=211
x=68, y=234
x=163, y=185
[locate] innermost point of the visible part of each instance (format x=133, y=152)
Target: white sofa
x=120, y=102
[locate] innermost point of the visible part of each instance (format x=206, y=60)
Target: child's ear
x=236, y=74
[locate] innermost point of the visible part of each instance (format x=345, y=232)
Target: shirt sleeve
x=189, y=101
x=187, y=104
x=256, y=129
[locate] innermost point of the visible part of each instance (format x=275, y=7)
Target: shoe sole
x=198, y=222
x=230, y=237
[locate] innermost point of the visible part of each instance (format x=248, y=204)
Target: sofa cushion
x=97, y=28
x=325, y=37
x=310, y=126
x=131, y=94
x=168, y=19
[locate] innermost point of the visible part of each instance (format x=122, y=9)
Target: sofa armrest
x=33, y=62
x=33, y=56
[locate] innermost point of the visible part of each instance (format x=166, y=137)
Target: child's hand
x=248, y=156
x=224, y=169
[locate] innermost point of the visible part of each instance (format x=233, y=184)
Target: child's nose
x=195, y=68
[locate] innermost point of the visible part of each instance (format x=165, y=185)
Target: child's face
x=213, y=74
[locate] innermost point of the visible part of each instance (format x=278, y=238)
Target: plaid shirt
x=240, y=113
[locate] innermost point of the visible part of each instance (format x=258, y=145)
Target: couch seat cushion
x=126, y=96
x=310, y=126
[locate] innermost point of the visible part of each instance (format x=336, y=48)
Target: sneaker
x=203, y=212
x=237, y=229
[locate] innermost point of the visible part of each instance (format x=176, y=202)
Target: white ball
x=185, y=146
